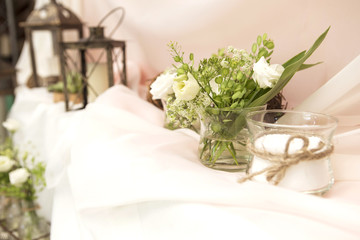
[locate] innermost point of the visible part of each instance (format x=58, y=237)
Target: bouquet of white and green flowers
x=231, y=80
x=21, y=178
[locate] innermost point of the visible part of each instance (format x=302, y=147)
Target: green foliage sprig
x=74, y=84
x=231, y=70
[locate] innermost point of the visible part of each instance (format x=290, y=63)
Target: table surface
x=114, y=172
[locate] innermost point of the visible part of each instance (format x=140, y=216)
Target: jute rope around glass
x=281, y=162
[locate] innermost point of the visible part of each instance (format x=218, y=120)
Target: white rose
x=11, y=125
x=267, y=75
x=162, y=86
x=6, y=163
x=18, y=176
x=186, y=90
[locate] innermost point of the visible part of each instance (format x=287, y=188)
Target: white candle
x=98, y=80
x=53, y=66
x=304, y=176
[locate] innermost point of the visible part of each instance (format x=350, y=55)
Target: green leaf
x=297, y=57
x=220, y=150
x=262, y=52
x=234, y=105
x=306, y=66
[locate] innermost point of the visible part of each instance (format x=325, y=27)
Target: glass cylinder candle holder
x=291, y=149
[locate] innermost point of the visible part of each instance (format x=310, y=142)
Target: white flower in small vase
x=6, y=163
x=266, y=75
x=162, y=86
x=186, y=89
x=19, y=176
x=11, y=125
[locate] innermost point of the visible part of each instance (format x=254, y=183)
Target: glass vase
x=223, y=136
x=31, y=225
x=4, y=205
x=13, y=214
x=292, y=149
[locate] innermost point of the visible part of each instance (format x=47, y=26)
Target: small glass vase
x=4, y=205
x=13, y=214
x=31, y=225
x=223, y=136
x=292, y=149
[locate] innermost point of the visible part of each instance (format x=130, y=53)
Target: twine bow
x=281, y=162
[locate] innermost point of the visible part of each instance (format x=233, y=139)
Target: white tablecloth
x=116, y=173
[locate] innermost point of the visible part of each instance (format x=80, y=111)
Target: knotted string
x=281, y=162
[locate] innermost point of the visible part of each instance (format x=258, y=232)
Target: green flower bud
x=224, y=72
x=191, y=56
x=185, y=66
x=259, y=40
x=254, y=48
x=239, y=76
x=264, y=36
x=233, y=76
x=177, y=59
x=216, y=127
x=218, y=80
x=180, y=71
x=208, y=89
x=270, y=45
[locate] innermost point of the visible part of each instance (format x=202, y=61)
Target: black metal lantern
x=51, y=17
x=114, y=50
x=7, y=78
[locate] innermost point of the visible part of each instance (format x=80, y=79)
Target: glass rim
x=236, y=108
x=333, y=123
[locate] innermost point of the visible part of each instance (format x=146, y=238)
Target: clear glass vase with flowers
x=220, y=90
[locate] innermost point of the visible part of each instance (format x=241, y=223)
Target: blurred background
x=200, y=27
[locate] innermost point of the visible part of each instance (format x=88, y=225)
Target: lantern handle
x=118, y=23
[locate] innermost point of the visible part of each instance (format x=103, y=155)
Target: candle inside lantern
x=98, y=80
x=53, y=66
x=306, y=175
